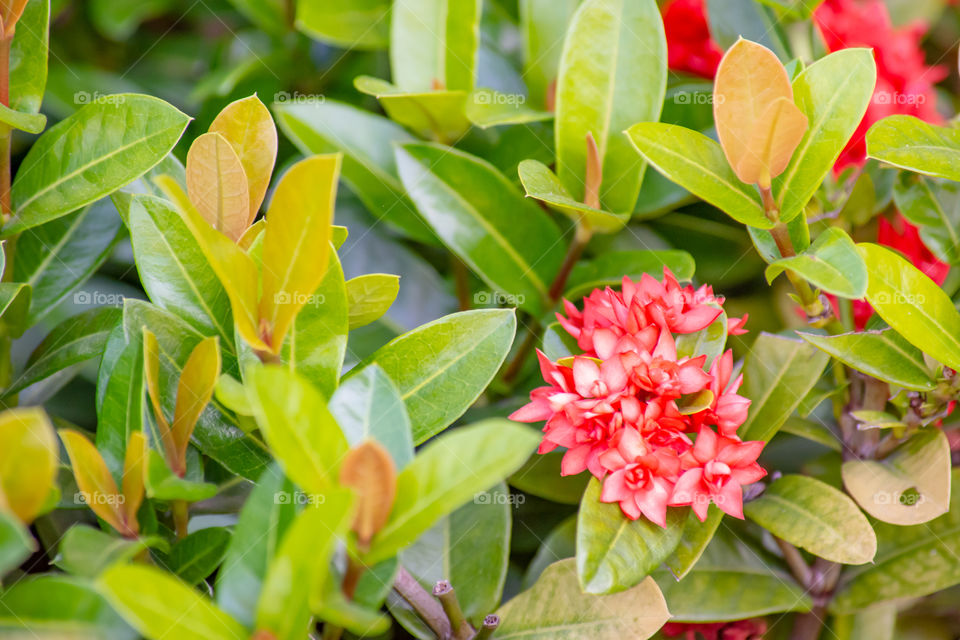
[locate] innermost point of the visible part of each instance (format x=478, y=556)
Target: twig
x=426, y=607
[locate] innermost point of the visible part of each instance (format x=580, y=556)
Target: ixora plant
x=273, y=458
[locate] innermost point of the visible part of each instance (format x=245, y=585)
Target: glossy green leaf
x=434, y=42
x=119, y=398
x=814, y=516
x=813, y=431
x=85, y=551
x=884, y=355
x=369, y=296
x=163, y=484
x=366, y=141
x=446, y=474
x=508, y=241
x=298, y=426
x=911, y=562
x=263, y=521
x=934, y=207
x=28, y=57
x=62, y=606
x=173, y=270
x=442, y=367
x=368, y=405
x=910, y=143
x=709, y=341
x=160, y=606
x=15, y=298
x=555, y=608
x=74, y=340
x=16, y=543
x=613, y=73
x=470, y=548
x=831, y=263
x=910, y=486
x=777, y=374
x=489, y=108
x=540, y=476
x=697, y=164
x=543, y=184
x=57, y=257
x=693, y=542
x=99, y=149
x=301, y=563
x=349, y=24
x=544, y=26
x=731, y=581
x=557, y=343
x=609, y=268
x=833, y=93
x=912, y=304
x=29, y=122
x=615, y=553
x=437, y=114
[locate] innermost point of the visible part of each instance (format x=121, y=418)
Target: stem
x=490, y=624
x=352, y=577
x=807, y=626
x=444, y=592
x=529, y=342
x=6, y=132
x=181, y=517
x=798, y=566
x=580, y=240
x=461, y=283
x=426, y=607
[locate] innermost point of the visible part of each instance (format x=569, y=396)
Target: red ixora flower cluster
x=618, y=408
x=752, y=629
x=689, y=45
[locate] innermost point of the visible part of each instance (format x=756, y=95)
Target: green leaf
x=730, y=20
x=442, y=367
x=489, y=108
x=160, y=606
x=557, y=343
x=57, y=257
x=540, y=476
x=543, y=184
x=884, y=355
x=910, y=486
x=349, y=24
x=369, y=297
x=912, y=304
x=61, y=606
x=269, y=15
x=173, y=270
x=560, y=543
x=693, y=542
x=163, y=484
x=697, y=164
x=934, y=207
x=116, y=140
x=15, y=300
x=437, y=114
x=118, y=20
x=911, y=562
x=301, y=564
x=812, y=431
x=777, y=374
x=446, y=474
x=609, y=268
x=831, y=263
x=28, y=57
x=833, y=93
x=470, y=548
x=16, y=543
x=434, y=41
x=613, y=73
x=119, y=398
x=731, y=581
x=814, y=516
x=75, y=340
x=85, y=551
x=544, y=25
x=709, y=341
x=298, y=426
x=876, y=420
x=369, y=164
x=508, y=241
x=613, y=552
x=554, y=608
x=910, y=143
x=368, y=406
x=29, y=122
x=263, y=521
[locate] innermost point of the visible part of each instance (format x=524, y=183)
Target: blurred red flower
x=689, y=45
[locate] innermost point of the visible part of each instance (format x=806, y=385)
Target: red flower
x=689, y=45
x=615, y=408
x=905, y=84
x=740, y=630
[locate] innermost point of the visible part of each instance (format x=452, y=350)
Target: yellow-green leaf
x=134, y=469
x=197, y=382
x=217, y=184
x=28, y=461
x=151, y=376
x=296, y=243
x=95, y=484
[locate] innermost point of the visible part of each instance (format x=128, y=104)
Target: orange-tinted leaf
x=134, y=467
x=96, y=486
x=774, y=139
x=296, y=243
x=249, y=128
x=151, y=375
x=217, y=184
x=197, y=382
x=749, y=79
x=234, y=268
x=28, y=461
x=368, y=469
